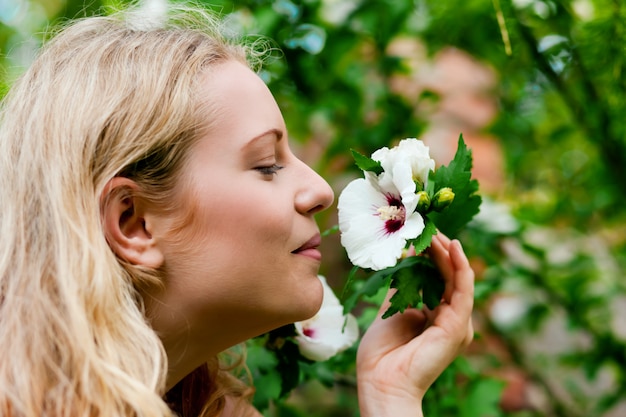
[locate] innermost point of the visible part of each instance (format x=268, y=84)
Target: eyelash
x=269, y=170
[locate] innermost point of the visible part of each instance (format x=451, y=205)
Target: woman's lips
x=309, y=248
x=310, y=253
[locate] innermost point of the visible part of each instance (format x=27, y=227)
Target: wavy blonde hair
x=107, y=96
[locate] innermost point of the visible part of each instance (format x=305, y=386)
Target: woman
x=152, y=216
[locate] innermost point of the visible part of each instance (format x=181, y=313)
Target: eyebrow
x=276, y=132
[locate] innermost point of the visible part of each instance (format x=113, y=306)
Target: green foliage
x=477, y=397
x=265, y=373
x=366, y=164
x=423, y=240
x=420, y=284
x=457, y=175
x=376, y=281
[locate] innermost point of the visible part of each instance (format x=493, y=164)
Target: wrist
x=386, y=402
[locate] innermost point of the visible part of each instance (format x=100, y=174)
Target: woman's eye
x=269, y=170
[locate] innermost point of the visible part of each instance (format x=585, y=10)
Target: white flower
x=410, y=154
x=376, y=224
x=377, y=214
x=328, y=332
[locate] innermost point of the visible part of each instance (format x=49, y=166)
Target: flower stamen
x=393, y=215
x=390, y=213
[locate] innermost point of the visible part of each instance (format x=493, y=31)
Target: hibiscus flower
x=377, y=213
x=328, y=332
x=410, y=154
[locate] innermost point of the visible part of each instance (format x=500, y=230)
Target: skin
x=245, y=260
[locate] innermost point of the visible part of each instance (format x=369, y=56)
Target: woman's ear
x=127, y=226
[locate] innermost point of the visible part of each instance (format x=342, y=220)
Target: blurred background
x=538, y=90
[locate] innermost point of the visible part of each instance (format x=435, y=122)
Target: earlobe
x=127, y=225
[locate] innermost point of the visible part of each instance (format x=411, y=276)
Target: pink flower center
x=308, y=332
x=393, y=214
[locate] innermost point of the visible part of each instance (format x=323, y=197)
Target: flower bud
x=423, y=202
x=442, y=199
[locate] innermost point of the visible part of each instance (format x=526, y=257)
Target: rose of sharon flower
x=377, y=213
x=411, y=152
x=328, y=332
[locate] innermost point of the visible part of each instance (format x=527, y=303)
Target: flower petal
x=329, y=331
x=364, y=234
x=412, y=151
x=402, y=177
x=326, y=334
x=330, y=299
x=362, y=231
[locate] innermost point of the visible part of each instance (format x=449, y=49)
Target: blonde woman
x=147, y=190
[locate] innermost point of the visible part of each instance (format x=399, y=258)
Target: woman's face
x=246, y=257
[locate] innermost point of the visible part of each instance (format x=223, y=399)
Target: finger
x=440, y=255
x=445, y=240
x=463, y=296
x=460, y=263
x=470, y=335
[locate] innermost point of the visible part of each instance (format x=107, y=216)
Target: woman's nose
x=314, y=194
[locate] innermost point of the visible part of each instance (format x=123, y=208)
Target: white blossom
x=328, y=332
x=377, y=213
x=409, y=156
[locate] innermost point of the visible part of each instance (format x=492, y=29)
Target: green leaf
x=365, y=163
x=421, y=282
x=377, y=280
x=434, y=286
x=409, y=292
x=268, y=387
x=348, y=283
x=288, y=367
x=483, y=398
x=262, y=364
x=457, y=175
x=423, y=241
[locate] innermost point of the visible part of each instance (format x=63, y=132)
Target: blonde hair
x=105, y=97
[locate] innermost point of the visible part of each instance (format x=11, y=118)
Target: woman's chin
x=309, y=307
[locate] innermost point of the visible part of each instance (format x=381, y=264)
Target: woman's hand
x=400, y=357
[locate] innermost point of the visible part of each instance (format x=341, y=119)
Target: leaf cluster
x=458, y=176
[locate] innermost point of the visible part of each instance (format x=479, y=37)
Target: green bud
x=442, y=199
x=423, y=202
